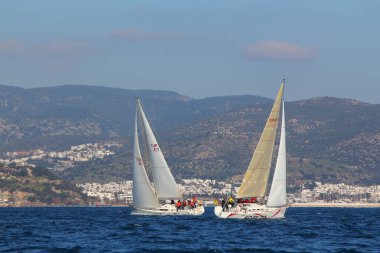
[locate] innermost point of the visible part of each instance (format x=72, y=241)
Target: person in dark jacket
x=224, y=206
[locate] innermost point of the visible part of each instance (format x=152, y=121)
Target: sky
x=196, y=48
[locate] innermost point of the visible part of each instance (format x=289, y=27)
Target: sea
x=115, y=229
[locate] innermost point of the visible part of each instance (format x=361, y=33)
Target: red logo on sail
x=139, y=160
x=155, y=147
x=272, y=120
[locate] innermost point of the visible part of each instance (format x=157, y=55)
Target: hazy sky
x=197, y=48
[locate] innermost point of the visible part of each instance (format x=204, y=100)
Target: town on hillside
x=61, y=159
x=208, y=189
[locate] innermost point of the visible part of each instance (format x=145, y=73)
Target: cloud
x=278, y=50
x=54, y=56
x=132, y=34
x=53, y=49
x=62, y=55
x=63, y=49
x=10, y=48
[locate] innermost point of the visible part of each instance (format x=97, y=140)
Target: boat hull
x=250, y=211
x=169, y=209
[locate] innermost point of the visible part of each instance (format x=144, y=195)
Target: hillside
x=35, y=185
x=329, y=139
x=58, y=117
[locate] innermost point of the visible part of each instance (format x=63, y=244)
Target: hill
x=329, y=139
x=57, y=117
x=37, y=186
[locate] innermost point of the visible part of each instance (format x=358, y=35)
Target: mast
x=165, y=185
x=143, y=194
x=256, y=177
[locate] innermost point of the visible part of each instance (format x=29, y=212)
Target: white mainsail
x=143, y=194
x=277, y=194
x=165, y=185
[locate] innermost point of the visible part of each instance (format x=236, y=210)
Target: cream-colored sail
x=256, y=177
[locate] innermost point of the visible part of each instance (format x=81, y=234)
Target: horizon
x=199, y=48
x=185, y=95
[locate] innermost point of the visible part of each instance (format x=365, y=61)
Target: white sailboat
x=147, y=197
x=255, y=182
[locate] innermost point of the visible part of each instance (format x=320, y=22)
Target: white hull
x=169, y=209
x=250, y=211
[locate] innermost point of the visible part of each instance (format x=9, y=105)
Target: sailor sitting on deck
x=195, y=201
x=191, y=204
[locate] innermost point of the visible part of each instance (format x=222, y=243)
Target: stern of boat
x=197, y=211
x=218, y=211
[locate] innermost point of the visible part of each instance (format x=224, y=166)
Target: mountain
x=57, y=117
x=329, y=139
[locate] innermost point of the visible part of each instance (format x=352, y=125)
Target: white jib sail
x=143, y=194
x=277, y=194
x=165, y=185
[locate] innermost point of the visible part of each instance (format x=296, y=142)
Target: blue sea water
x=114, y=229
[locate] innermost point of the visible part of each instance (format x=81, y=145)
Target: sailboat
x=151, y=198
x=254, y=201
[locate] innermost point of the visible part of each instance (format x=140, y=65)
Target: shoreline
x=310, y=204
x=352, y=205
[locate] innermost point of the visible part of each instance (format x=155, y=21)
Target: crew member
x=178, y=205
x=231, y=201
x=224, y=206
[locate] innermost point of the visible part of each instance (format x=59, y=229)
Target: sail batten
x=256, y=177
x=165, y=185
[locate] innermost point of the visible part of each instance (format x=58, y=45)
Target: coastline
x=351, y=205
x=309, y=204
x=2, y=205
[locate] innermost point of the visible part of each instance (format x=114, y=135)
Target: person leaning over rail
x=231, y=202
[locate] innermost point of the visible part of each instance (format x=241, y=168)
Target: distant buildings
x=120, y=191
x=62, y=159
x=327, y=193
x=337, y=193
x=208, y=188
